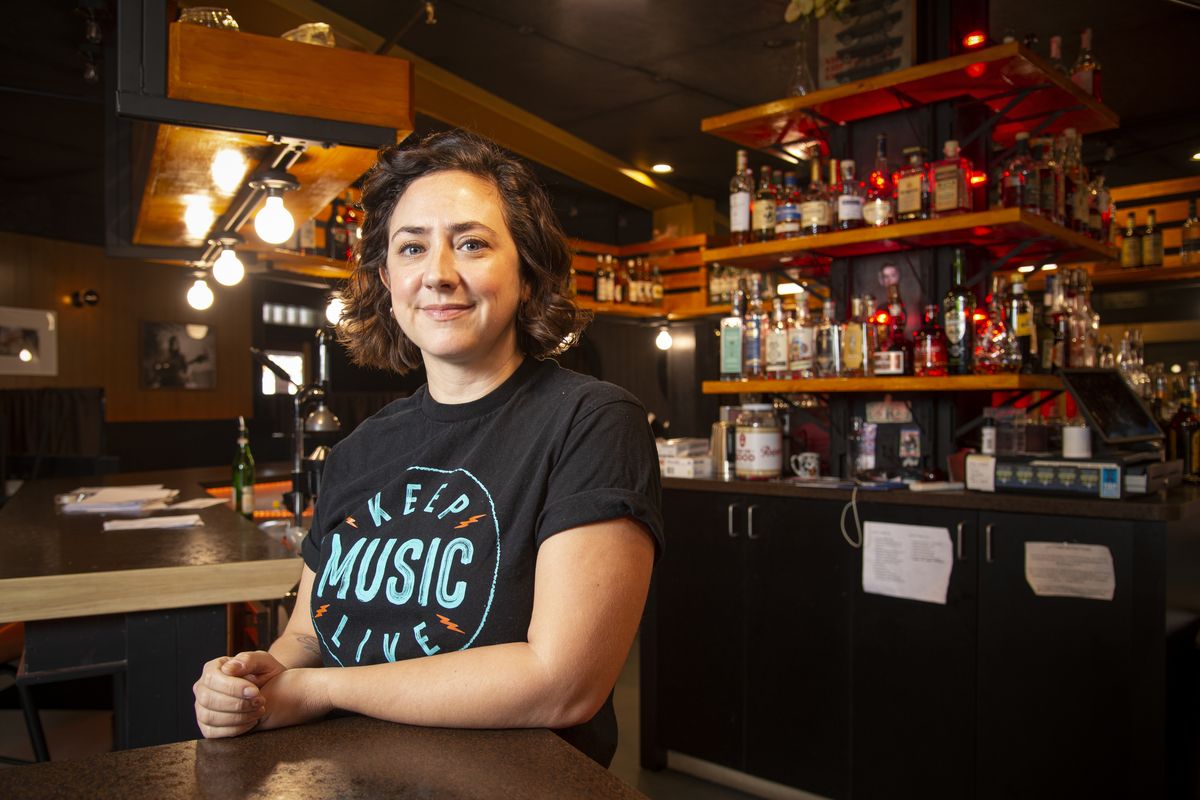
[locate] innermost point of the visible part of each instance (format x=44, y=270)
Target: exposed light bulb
x=1049, y=267
x=274, y=224
x=663, y=341
x=198, y=217
x=197, y=332
x=228, y=169
x=1026, y=268
x=200, y=296
x=27, y=356
x=228, y=269
x=333, y=311
x=662, y=169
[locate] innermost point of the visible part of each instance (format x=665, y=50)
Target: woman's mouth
x=442, y=312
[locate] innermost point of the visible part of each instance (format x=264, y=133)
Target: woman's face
x=453, y=270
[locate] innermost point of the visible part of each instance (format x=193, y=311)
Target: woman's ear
x=383, y=277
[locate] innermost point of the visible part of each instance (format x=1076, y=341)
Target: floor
x=74, y=734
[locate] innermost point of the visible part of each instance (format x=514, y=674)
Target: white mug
x=806, y=465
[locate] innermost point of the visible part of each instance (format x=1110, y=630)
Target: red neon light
x=974, y=39
x=978, y=178
x=977, y=69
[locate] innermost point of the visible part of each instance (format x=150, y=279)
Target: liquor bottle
x=1073, y=179
x=858, y=341
x=996, y=349
x=870, y=334
x=620, y=283
x=951, y=182
x=741, y=189
x=1019, y=182
x=656, y=286
x=598, y=280
x=1100, y=208
x=877, y=210
x=731, y=338
x=1020, y=320
x=1189, y=244
x=893, y=353
x=1082, y=343
x=1045, y=332
x=1183, y=433
x=1060, y=322
x=1152, y=243
x=1049, y=179
x=763, y=213
x=930, y=348
x=814, y=208
x=828, y=339
x=1056, y=61
x=912, y=186
x=1086, y=72
x=787, y=208
x=754, y=329
x=778, y=366
x=243, y=473
x=801, y=340
x=958, y=320
x=849, y=199
x=1131, y=244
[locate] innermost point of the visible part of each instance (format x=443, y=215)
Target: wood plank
x=233, y=68
x=1141, y=191
x=697, y=240
x=685, y=280
x=593, y=248
x=954, y=383
x=91, y=593
x=1169, y=212
x=679, y=261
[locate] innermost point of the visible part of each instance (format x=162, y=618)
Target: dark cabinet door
x=913, y=718
x=799, y=575
x=1067, y=704
x=698, y=619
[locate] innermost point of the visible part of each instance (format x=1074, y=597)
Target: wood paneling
x=98, y=345
x=1140, y=191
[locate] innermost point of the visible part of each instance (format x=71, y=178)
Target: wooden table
x=146, y=606
x=347, y=758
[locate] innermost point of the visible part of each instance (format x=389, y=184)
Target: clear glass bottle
x=731, y=329
x=858, y=341
x=1019, y=182
x=1086, y=72
x=930, y=348
x=1056, y=60
x=951, y=181
x=1046, y=334
x=1073, y=180
x=912, y=186
x=996, y=349
x=243, y=473
x=741, y=190
x=958, y=319
x=1083, y=340
x=762, y=213
x=1049, y=178
x=777, y=365
x=801, y=340
x=850, y=198
x=878, y=208
x=1020, y=321
x=829, y=344
x=893, y=353
x=814, y=208
x=787, y=208
x=754, y=329
x=1131, y=244
x=1152, y=241
x=1189, y=240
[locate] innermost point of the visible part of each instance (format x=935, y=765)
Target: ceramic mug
x=806, y=465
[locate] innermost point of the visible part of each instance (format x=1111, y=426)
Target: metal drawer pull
x=958, y=547
x=750, y=534
x=732, y=532
x=987, y=543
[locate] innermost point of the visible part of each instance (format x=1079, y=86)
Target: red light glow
x=882, y=318
x=974, y=39
x=979, y=316
x=977, y=69
x=978, y=178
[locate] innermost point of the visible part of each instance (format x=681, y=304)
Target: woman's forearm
x=294, y=650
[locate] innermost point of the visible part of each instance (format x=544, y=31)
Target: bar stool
x=12, y=641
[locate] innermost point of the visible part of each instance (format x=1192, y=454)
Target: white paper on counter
x=200, y=502
x=147, y=523
x=1061, y=569
x=981, y=473
x=907, y=561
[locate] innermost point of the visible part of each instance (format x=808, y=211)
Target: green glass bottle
x=958, y=310
x=243, y=473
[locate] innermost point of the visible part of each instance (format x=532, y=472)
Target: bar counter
x=353, y=758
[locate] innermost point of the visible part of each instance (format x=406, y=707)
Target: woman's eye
x=411, y=249
x=473, y=245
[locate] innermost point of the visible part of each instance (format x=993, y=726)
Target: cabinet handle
x=987, y=543
x=732, y=533
x=958, y=546
x=750, y=534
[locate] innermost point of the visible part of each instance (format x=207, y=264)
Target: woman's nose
x=441, y=271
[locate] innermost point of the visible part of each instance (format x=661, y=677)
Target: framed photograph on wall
x=864, y=40
x=177, y=355
x=28, y=341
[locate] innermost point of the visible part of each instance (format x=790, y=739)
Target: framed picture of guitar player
x=177, y=355
x=864, y=39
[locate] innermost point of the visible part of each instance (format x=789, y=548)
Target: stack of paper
x=169, y=521
x=116, y=499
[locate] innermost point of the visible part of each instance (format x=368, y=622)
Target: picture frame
x=852, y=47
x=28, y=341
x=177, y=355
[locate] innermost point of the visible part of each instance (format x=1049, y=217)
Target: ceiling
x=632, y=77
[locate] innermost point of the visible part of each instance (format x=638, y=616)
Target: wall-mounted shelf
x=884, y=385
x=1001, y=232
x=304, y=264
x=1008, y=78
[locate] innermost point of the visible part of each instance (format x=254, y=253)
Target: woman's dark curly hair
x=547, y=319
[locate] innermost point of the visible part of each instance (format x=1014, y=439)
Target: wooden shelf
x=953, y=383
x=1113, y=275
x=992, y=76
x=997, y=231
x=303, y=264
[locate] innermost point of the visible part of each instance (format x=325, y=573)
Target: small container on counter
x=759, y=443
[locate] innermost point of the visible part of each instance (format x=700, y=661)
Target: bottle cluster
x=1175, y=403
x=1142, y=246
x=761, y=339
x=636, y=282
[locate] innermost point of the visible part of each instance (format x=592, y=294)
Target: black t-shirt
x=430, y=516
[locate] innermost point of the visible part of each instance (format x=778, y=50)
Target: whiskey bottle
x=1086, y=72
x=243, y=473
x=1189, y=244
x=1049, y=178
x=763, y=212
x=731, y=338
x=1183, y=433
x=778, y=366
x=829, y=344
x=893, y=355
x=814, y=209
x=741, y=189
x=1131, y=244
x=849, y=199
x=1019, y=187
x=958, y=320
x=754, y=330
x=1020, y=320
x=854, y=341
x=787, y=208
x=1152, y=243
x=1045, y=330
x=912, y=186
x=801, y=340
x=930, y=349
x=878, y=207
x=951, y=182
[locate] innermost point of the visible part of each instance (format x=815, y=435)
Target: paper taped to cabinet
x=1061, y=569
x=907, y=561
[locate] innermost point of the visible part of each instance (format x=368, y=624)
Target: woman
x=481, y=550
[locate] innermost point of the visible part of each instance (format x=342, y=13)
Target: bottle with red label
x=930, y=352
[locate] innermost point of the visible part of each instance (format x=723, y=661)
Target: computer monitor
x=1111, y=408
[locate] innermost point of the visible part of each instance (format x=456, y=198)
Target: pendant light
x=227, y=269
x=273, y=223
x=200, y=296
